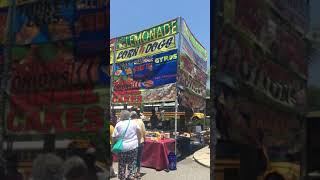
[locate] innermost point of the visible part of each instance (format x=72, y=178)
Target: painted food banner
x=90, y=24
x=163, y=93
x=52, y=91
x=243, y=118
x=187, y=53
x=291, y=50
x=55, y=88
x=294, y=11
x=198, y=48
x=146, y=72
x=262, y=24
x=189, y=100
x=192, y=77
x=157, y=32
x=3, y=23
x=242, y=62
x=44, y=21
x=189, y=63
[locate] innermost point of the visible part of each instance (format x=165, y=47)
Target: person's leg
x=112, y=171
x=139, y=158
x=122, y=166
x=132, y=161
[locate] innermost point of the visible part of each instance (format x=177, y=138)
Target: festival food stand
x=53, y=72
x=162, y=65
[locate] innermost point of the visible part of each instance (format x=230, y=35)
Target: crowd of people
x=50, y=166
x=129, y=128
x=82, y=166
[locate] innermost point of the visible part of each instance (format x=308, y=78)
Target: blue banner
x=44, y=21
x=90, y=30
x=147, y=72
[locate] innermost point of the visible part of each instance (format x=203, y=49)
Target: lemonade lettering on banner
x=161, y=31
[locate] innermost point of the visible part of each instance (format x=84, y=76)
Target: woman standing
x=135, y=116
x=131, y=139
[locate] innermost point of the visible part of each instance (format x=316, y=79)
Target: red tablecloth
x=155, y=153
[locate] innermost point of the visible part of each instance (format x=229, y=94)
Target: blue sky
x=128, y=16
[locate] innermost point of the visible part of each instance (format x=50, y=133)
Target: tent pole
x=175, y=125
x=112, y=71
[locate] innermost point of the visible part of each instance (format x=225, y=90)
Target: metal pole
x=175, y=125
x=176, y=101
x=5, y=74
x=112, y=71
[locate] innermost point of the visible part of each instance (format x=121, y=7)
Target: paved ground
x=187, y=169
x=202, y=156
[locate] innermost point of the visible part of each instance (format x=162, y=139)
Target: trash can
x=172, y=161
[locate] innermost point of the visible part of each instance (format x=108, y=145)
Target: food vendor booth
x=162, y=68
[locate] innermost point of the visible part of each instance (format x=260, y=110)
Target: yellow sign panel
x=145, y=36
x=154, y=47
x=4, y=3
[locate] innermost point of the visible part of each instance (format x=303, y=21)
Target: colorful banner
x=294, y=11
x=251, y=16
x=1, y=62
x=291, y=51
x=3, y=24
x=54, y=91
x=243, y=119
x=90, y=28
x=127, y=97
x=157, y=32
x=154, y=47
x=163, y=93
x=44, y=21
x=198, y=48
x=248, y=65
x=191, y=84
x=187, y=52
x=146, y=72
x=189, y=100
x=59, y=69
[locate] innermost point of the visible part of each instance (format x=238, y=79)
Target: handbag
x=118, y=146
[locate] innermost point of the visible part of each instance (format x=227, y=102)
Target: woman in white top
x=131, y=139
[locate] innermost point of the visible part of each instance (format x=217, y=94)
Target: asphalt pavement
x=187, y=169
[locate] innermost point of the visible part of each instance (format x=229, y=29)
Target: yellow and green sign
x=194, y=42
x=150, y=48
x=157, y=32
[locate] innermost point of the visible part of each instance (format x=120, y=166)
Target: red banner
x=127, y=97
x=53, y=91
